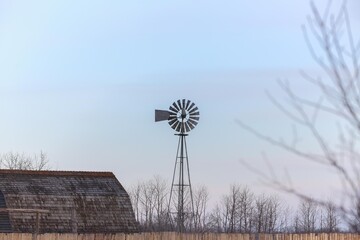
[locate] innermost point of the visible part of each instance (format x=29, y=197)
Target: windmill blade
x=187, y=104
x=172, y=116
x=190, y=125
x=179, y=103
x=178, y=127
x=173, y=110
x=183, y=103
x=195, y=113
x=195, y=118
x=182, y=129
x=191, y=106
x=172, y=121
x=193, y=122
x=187, y=128
x=175, y=125
x=161, y=115
x=193, y=110
x=175, y=106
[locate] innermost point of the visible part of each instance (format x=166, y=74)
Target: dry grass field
x=176, y=236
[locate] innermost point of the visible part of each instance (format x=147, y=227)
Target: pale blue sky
x=81, y=79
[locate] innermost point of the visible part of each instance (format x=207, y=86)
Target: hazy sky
x=80, y=80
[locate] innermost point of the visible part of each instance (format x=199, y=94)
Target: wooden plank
x=25, y=210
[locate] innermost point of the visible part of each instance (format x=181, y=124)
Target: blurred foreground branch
x=334, y=48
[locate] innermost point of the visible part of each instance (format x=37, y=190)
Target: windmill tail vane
x=161, y=115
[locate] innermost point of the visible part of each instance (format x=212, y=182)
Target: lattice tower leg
x=181, y=205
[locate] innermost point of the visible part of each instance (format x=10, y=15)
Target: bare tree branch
x=331, y=44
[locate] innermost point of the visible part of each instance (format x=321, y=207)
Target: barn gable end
x=83, y=202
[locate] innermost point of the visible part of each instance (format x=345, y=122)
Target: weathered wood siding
x=82, y=202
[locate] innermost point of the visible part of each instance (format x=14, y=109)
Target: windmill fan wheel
x=184, y=115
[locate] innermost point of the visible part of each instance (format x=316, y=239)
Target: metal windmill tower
x=182, y=116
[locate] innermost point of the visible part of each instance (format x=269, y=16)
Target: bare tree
x=296, y=223
x=143, y=201
x=149, y=201
x=285, y=224
x=260, y=213
x=160, y=189
x=246, y=210
x=334, y=48
x=201, y=197
x=225, y=216
x=266, y=214
x=23, y=161
x=307, y=216
x=240, y=211
x=332, y=219
x=273, y=213
x=216, y=222
x=134, y=194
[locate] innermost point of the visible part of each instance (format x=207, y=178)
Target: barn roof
x=76, y=201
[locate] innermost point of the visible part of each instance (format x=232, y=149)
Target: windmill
x=182, y=116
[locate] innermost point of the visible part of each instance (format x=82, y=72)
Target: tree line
x=238, y=211
x=23, y=161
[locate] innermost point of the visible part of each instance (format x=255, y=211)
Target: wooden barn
x=64, y=202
